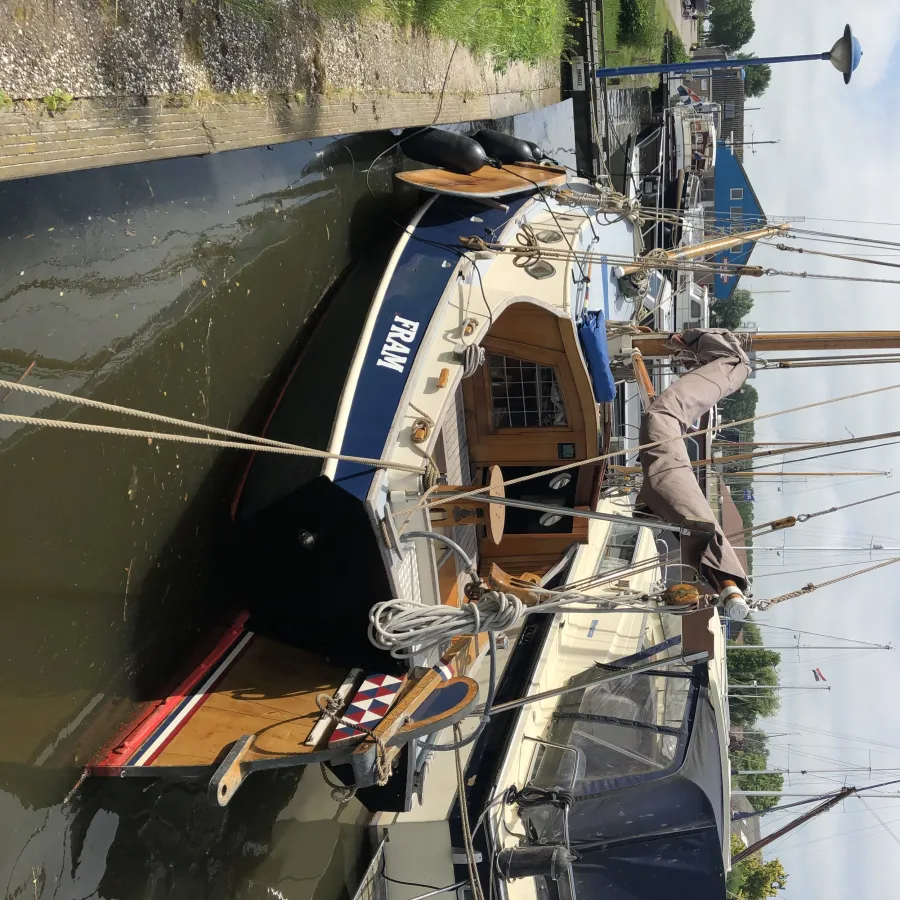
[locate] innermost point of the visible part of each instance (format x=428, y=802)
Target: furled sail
x=670, y=487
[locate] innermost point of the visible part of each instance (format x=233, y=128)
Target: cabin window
x=525, y=394
x=636, y=725
x=619, y=548
x=539, y=269
x=737, y=193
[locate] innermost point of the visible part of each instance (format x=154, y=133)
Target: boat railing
x=373, y=885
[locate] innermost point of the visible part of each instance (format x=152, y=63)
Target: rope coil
x=400, y=625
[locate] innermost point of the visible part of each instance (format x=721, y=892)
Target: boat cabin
x=643, y=759
x=694, y=135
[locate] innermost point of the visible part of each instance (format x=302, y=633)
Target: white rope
x=240, y=441
x=407, y=627
x=473, y=359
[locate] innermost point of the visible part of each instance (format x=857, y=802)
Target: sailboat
x=483, y=362
x=474, y=367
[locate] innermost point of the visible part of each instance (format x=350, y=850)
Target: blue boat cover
x=592, y=334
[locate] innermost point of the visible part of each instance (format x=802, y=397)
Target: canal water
x=184, y=287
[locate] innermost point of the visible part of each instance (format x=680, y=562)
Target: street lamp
x=844, y=56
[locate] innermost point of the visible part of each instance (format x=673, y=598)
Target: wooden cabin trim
x=536, y=333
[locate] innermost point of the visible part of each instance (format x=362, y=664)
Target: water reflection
x=179, y=287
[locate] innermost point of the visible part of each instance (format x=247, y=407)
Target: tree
x=729, y=312
x=756, y=78
x=762, y=879
x=753, y=879
x=771, y=782
x=731, y=23
x=753, y=667
x=740, y=405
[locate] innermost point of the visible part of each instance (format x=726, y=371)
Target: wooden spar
x=643, y=380
x=709, y=247
x=830, y=803
x=656, y=344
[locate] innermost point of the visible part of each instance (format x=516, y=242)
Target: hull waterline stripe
x=182, y=714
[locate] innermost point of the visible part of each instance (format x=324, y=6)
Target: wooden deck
x=269, y=692
x=486, y=182
x=246, y=685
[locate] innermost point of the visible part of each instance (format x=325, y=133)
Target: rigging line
x=793, y=667
x=825, y=455
x=835, y=734
x=881, y=821
x=787, y=248
x=815, y=237
x=543, y=195
x=819, y=276
x=802, y=592
x=814, y=633
x=834, y=837
x=790, y=748
x=849, y=238
x=652, y=444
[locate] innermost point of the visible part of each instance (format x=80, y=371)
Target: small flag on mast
x=817, y=674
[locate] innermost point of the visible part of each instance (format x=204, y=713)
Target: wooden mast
x=656, y=344
x=707, y=248
x=830, y=803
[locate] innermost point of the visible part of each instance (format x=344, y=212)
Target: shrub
x=639, y=24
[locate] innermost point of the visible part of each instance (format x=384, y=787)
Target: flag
x=748, y=495
x=817, y=674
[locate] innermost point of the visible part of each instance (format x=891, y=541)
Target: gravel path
x=109, y=48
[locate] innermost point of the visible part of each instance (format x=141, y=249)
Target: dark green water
x=184, y=287
x=181, y=287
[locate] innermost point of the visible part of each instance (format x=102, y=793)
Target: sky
x=836, y=161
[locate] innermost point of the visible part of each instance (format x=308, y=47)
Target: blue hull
x=416, y=286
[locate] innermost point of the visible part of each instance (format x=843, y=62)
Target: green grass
x=626, y=45
x=509, y=31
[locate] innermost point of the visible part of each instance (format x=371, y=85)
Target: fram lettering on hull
x=395, y=352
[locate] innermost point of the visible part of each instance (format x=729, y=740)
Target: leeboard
x=487, y=182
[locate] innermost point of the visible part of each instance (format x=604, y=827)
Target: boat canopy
x=649, y=793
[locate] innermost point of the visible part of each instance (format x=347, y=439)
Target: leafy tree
x=731, y=311
x=773, y=782
x=753, y=879
x=762, y=879
x=756, y=78
x=732, y=24
x=741, y=404
x=749, y=667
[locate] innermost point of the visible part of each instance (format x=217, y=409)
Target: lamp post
x=844, y=56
